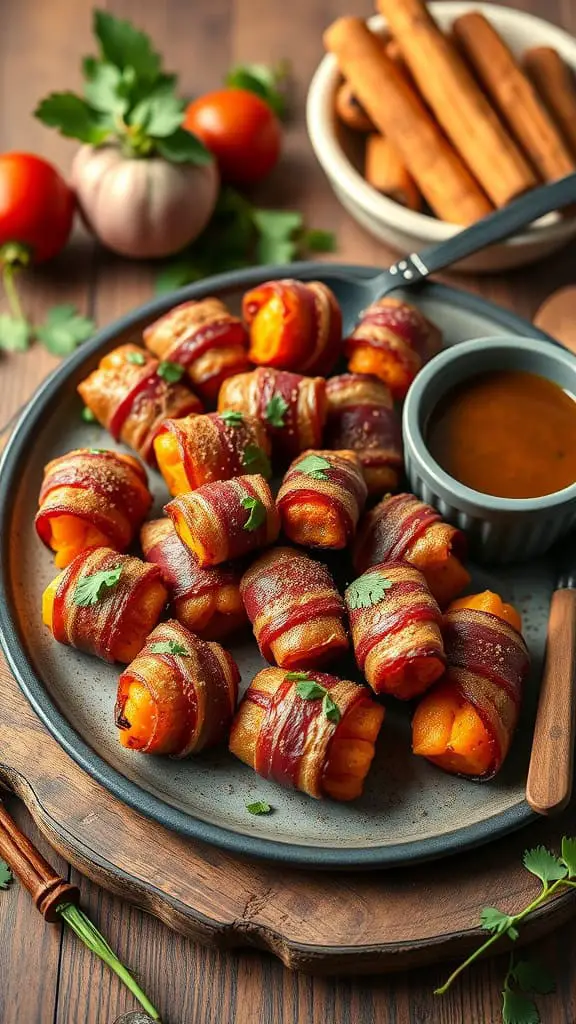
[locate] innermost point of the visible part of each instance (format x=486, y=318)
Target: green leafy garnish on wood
x=6, y=876
x=171, y=372
x=241, y=235
x=314, y=466
x=128, y=98
x=231, y=417
x=524, y=978
x=309, y=689
x=64, y=329
x=276, y=410
x=259, y=807
x=367, y=590
x=265, y=81
x=91, y=589
x=169, y=647
x=257, y=512
x=255, y=459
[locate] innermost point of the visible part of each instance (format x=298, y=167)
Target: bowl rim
x=448, y=487
x=337, y=166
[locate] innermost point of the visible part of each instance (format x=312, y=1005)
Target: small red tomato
x=241, y=131
x=36, y=205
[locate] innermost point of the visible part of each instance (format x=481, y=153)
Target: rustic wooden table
x=47, y=976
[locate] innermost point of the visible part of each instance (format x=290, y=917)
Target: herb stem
x=8, y=271
x=77, y=920
x=543, y=895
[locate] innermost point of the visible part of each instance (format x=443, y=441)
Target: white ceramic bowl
x=392, y=223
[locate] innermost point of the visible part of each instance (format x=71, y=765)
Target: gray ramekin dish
x=498, y=529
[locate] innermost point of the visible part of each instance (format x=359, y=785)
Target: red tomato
x=241, y=131
x=36, y=205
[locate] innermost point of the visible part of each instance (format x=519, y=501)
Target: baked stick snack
x=178, y=696
x=308, y=731
x=554, y=83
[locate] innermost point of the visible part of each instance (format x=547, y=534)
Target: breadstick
x=385, y=171
x=554, y=81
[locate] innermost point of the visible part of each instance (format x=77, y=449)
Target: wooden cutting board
x=324, y=923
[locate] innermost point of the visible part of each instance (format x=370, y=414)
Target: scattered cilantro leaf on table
x=6, y=876
x=64, y=329
x=544, y=865
x=91, y=589
x=367, y=590
x=15, y=333
x=259, y=807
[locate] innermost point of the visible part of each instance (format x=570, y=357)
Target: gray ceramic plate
x=410, y=811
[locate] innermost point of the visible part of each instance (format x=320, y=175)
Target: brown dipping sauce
x=506, y=433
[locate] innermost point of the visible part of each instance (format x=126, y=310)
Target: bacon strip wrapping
x=178, y=696
x=294, y=325
x=403, y=527
x=395, y=624
x=206, y=601
x=91, y=498
x=322, y=510
x=291, y=741
x=200, y=449
x=295, y=609
x=361, y=417
x=204, y=337
x=116, y=625
x=302, y=399
x=226, y=519
x=488, y=662
x=132, y=400
x=392, y=341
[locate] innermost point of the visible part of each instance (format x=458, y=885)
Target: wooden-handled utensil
x=550, y=775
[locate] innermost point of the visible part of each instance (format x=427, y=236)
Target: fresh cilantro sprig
x=171, y=372
x=524, y=978
x=255, y=459
x=259, y=807
x=276, y=410
x=269, y=83
x=128, y=98
x=91, y=589
x=6, y=876
x=314, y=466
x=309, y=689
x=231, y=417
x=367, y=590
x=136, y=358
x=241, y=235
x=169, y=647
x=256, y=510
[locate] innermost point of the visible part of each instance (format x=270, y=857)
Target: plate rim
x=123, y=788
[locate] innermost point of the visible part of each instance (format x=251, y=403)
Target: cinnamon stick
x=513, y=95
x=457, y=101
x=350, y=110
x=554, y=82
x=385, y=170
x=399, y=113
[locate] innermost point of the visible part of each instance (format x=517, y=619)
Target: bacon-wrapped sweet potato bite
x=205, y=338
x=207, y=601
x=295, y=609
x=392, y=341
x=321, y=498
x=226, y=519
x=131, y=394
x=308, y=731
x=178, y=696
x=217, y=446
x=466, y=722
x=403, y=527
x=292, y=407
x=294, y=325
x=104, y=604
x=395, y=625
x=361, y=416
x=91, y=498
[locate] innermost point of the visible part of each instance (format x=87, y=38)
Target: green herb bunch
x=128, y=99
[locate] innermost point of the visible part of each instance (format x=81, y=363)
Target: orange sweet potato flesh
x=351, y=751
x=71, y=535
x=366, y=359
x=170, y=464
x=141, y=711
x=488, y=601
x=276, y=331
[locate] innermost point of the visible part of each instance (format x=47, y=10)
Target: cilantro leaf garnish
x=532, y=976
x=311, y=690
x=87, y=415
x=367, y=590
x=15, y=333
x=231, y=417
x=257, y=512
x=276, y=410
x=256, y=460
x=259, y=807
x=171, y=372
x=544, y=865
x=91, y=589
x=518, y=1008
x=64, y=329
x=136, y=358
x=6, y=876
x=569, y=855
x=169, y=647
x=314, y=466
x=297, y=676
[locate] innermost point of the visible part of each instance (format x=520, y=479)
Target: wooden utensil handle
x=48, y=889
x=549, y=784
